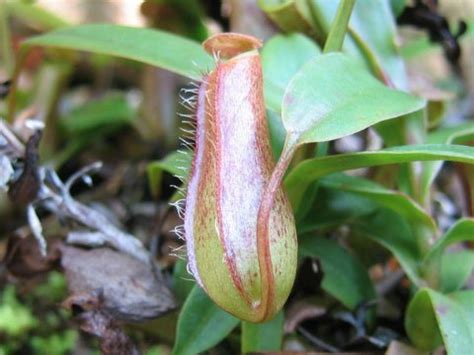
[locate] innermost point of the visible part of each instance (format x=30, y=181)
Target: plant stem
x=339, y=27
x=334, y=43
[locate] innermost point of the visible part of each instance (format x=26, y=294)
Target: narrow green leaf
x=369, y=219
x=36, y=15
x=154, y=47
x=344, y=276
x=333, y=96
x=332, y=208
x=183, y=283
x=299, y=179
x=398, y=202
x=433, y=318
x=263, y=337
x=456, y=134
x=282, y=57
x=175, y=163
x=456, y=268
x=111, y=110
x=201, y=324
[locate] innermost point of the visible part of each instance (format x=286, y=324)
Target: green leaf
x=456, y=134
x=158, y=48
x=289, y=15
x=332, y=208
x=183, y=283
x=396, y=201
x=112, y=110
x=16, y=319
x=466, y=300
x=263, y=337
x=382, y=43
x=176, y=163
x=394, y=233
x=344, y=276
x=36, y=15
x=378, y=47
x=299, y=179
x=334, y=96
x=433, y=318
x=397, y=6
x=369, y=219
x=282, y=57
x=456, y=268
x=201, y=324
x=277, y=133
x=462, y=230
x=186, y=18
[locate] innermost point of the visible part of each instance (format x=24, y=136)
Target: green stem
x=339, y=27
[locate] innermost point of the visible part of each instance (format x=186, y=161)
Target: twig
x=318, y=342
x=54, y=195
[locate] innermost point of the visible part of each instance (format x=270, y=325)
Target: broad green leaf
x=382, y=43
x=158, y=48
x=462, y=230
x=456, y=268
x=397, y=201
x=176, y=163
x=333, y=96
x=112, y=110
x=466, y=300
x=299, y=179
x=282, y=57
x=433, y=318
x=201, y=324
x=344, y=276
x=263, y=337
